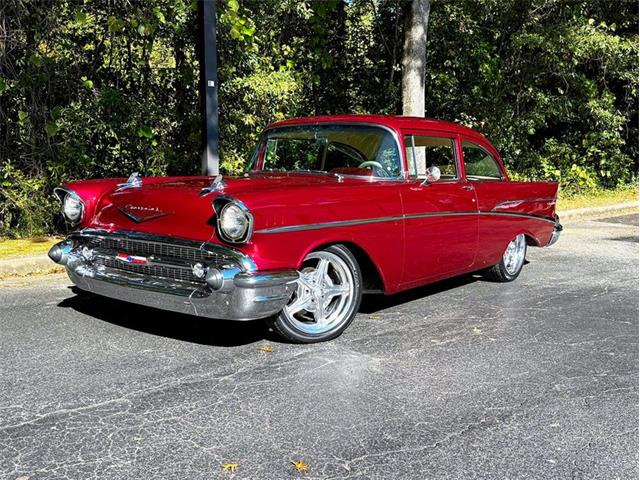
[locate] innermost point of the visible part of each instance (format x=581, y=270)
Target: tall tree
x=415, y=58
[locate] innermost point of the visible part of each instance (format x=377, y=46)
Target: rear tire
x=511, y=263
x=326, y=299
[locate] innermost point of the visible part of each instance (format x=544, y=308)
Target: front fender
x=91, y=193
x=382, y=243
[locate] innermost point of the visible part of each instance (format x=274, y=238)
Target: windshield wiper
x=339, y=176
x=307, y=170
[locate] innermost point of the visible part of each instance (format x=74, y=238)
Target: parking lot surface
x=462, y=379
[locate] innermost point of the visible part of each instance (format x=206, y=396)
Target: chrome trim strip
x=523, y=215
x=515, y=203
x=338, y=223
x=411, y=216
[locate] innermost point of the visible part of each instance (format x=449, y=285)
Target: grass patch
x=25, y=247
x=599, y=198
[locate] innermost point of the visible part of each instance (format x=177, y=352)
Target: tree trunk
x=414, y=58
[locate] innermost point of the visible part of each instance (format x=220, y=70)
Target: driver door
x=441, y=221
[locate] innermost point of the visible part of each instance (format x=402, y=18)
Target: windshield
x=334, y=149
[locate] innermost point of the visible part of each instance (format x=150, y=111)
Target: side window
x=479, y=164
x=425, y=151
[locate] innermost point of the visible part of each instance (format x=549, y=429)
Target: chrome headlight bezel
x=225, y=205
x=70, y=200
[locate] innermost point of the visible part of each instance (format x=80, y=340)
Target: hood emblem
x=134, y=181
x=216, y=185
x=139, y=214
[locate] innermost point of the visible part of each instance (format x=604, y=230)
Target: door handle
x=467, y=187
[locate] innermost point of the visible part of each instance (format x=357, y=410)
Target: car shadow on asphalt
x=223, y=333
x=377, y=303
x=187, y=328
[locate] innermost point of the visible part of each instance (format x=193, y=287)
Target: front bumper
x=239, y=292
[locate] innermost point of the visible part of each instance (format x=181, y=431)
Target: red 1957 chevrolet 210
x=330, y=208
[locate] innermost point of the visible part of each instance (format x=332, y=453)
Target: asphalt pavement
x=463, y=379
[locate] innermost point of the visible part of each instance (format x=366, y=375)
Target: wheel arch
x=373, y=279
x=531, y=240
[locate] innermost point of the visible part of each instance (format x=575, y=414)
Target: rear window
x=479, y=164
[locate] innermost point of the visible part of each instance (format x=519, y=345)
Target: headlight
x=72, y=205
x=234, y=222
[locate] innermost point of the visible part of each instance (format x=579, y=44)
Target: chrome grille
x=160, y=250
x=165, y=271
x=166, y=260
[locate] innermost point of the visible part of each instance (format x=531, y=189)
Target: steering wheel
x=377, y=167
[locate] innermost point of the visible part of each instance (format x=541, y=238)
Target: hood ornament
x=217, y=185
x=139, y=214
x=134, y=181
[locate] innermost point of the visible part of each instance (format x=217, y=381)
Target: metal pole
x=209, y=87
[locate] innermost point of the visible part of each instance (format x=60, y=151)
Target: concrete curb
x=595, y=211
x=29, y=265
x=34, y=264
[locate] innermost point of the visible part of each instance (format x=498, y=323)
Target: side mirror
x=433, y=175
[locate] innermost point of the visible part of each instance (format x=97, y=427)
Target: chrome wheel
x=513, y=257
x=324, y=296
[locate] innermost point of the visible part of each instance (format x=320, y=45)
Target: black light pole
x=209, y=87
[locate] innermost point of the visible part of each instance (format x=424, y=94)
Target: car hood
x=178, y=207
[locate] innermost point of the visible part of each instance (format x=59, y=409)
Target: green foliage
x=25, y=204
x=554, y=85
x=102, y=88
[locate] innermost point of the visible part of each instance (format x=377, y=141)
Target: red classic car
x=329, y=208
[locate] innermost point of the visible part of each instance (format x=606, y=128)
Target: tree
x=414, y=58
x=101, y=88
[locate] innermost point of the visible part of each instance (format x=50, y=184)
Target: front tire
x=326, y=300
x=511, y=263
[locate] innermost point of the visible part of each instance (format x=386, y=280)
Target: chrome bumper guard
x=231, y=289
x=555, y=235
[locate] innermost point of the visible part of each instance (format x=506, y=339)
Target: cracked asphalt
x=463, y=379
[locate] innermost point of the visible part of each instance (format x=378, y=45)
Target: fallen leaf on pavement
x=300, y=466
x=229, y=467
x=266, y=349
